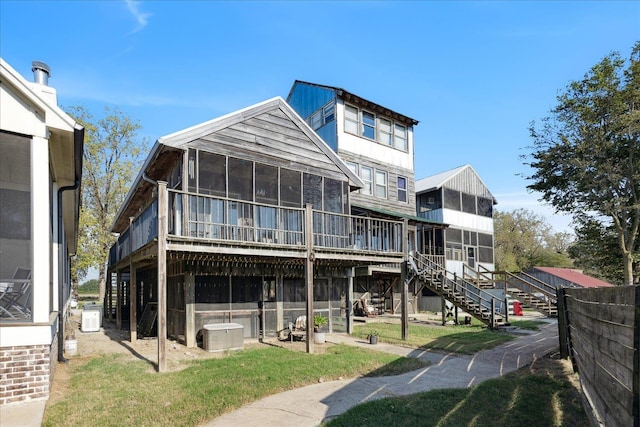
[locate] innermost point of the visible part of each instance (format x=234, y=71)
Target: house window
x=366, y=174
x=353, y=167
x=381, y=184
x=400, y=137
x=241, y=186
x=402, y=189
x=351, y=119
x=316, y=120
x=212, y=174
x=266, y=184
x=368, y=125
x=329, y=112
x=384, y=131
x=323, y=116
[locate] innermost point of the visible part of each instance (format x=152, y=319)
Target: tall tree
x=111, y=157
x=524, y=239
x=586, y=154
x=597, y=252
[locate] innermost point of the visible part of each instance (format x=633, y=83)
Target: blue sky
x=475, y=74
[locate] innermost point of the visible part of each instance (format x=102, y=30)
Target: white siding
x=365, y=147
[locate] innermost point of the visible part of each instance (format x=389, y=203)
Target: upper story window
x=381, y=184
x=368, y=125
x=323, y=116
x=402, y=189
x=366, y=174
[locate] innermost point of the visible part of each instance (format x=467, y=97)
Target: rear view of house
x=244, y=219
x=40, y=172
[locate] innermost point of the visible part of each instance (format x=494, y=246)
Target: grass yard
x=544, y=394
x=113, y=390
x=466, y=339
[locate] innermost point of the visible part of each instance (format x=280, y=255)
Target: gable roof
x=463, y=178
x=353, y=98
x=574, y=277
x=230, y=132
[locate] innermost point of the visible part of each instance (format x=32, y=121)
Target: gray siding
x=391, y=203
x=468, y=182
x=271, y=138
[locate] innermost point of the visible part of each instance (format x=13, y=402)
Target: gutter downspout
x=78, y=144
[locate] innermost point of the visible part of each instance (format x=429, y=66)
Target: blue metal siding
x=306, y=99
x=329, y=134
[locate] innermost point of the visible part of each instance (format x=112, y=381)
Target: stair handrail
x=531, y=285
x=479, y=274
x=422, y=265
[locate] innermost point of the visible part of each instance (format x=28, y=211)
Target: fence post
x=636, y=360
x=563, y=322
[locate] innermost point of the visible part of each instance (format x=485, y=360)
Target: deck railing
x=209, y=218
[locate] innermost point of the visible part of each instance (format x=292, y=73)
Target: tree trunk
x=102, y=276
x=628, y=267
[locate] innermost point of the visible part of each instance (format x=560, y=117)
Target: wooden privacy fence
x=599, y=329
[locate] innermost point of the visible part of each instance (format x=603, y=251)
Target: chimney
x=41, y=72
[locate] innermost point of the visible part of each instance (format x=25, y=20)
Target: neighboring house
x=377, y=144
x=567, y=277
x=460, y=199
x=40, y=172
x=237, y=220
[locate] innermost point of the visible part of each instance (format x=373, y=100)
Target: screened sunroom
x=234, y=219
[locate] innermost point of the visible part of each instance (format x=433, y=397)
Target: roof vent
x=41, y=72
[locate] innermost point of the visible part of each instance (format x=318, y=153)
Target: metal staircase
x=461, y=293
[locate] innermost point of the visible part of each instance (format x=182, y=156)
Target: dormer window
x=323, y=116
x=367, y=125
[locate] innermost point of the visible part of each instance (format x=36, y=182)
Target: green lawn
x=539, y=396
x=465, y=339
x=114, y=391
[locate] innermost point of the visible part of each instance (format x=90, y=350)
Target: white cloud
x=142, y=18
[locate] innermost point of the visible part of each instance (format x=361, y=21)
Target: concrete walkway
x=313, y=404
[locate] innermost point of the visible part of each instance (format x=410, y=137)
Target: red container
x=517, y=308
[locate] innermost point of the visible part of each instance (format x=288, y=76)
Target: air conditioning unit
x=90, y=321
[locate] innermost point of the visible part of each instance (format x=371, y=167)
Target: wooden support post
x=403, y=280
x=133, y=291
x=162, y=275
x=493, y=313
x=119, y=301
x=405, y=301
x=444, y=311
x=309, y=274
x=190, y=309
x=349, y=308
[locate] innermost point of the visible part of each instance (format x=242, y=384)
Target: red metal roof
x=574, y=276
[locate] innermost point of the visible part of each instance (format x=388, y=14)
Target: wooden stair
x=461, y=293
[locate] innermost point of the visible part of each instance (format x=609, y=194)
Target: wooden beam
x=190, y=309
x=403, y=279
x=309, y=274
x=133, y=292
x=162, y=275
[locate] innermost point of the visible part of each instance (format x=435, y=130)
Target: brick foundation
x=26, y=372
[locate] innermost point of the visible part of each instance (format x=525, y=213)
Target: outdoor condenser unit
x=90, y=321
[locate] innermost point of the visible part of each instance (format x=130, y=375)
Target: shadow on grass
x=541, y=394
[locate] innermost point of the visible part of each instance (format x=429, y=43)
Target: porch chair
x=15, y=294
